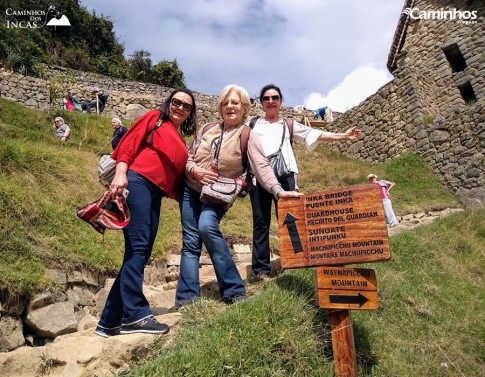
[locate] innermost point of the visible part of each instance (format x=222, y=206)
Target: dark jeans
x=200, y=223
x=126, y=303
x=92, y=105
x=261, y=202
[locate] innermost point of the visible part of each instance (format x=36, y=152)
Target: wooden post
x=343, y=343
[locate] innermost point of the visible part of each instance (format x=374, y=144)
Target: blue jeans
x=200, y=223
x=126, y=303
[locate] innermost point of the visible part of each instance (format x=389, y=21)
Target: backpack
x=243, y=142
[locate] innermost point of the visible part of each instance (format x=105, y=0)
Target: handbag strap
x=215, y=161
x=283, y=137
x=159, y=123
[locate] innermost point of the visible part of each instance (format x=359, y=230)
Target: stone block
x=174, y=260
x=52, y=320
x=11, y=333
x=134, y=111
x=241, y=248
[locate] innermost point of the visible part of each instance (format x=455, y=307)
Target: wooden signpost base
x=328, y=230
x=343, y=343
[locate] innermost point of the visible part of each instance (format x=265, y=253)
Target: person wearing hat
x=385, y=187
x=99, y=103
x=63, y=131
x=119, y=131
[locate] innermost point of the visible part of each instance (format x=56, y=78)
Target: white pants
x=328, y=117
x=389, y=212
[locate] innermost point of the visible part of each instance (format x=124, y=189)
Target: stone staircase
x=85, y=354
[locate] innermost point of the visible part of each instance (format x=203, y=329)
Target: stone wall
x=127, y=99
x=423, y=111
x=420, y=111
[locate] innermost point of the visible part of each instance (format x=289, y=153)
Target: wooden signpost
x=346, y=288
x=327, y=230
x=333, y=228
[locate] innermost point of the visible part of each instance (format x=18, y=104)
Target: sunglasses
x=177, y=103
x=274, y=98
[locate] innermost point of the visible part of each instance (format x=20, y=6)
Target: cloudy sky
x=319, y=52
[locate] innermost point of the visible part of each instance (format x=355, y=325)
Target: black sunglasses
x=274, y=98
x=186, y=106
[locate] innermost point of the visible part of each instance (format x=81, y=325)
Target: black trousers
x=261, y=202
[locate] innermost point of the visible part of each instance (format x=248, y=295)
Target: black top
x=117, y=135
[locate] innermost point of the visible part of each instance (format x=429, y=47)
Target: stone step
x=81, y=354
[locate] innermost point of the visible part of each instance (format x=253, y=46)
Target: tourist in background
x=324, y=113
x=200, y=221
x=99, y=103
x=385, y=187
x=150, y=165
x=63, y=131
x=71, y=103
x=270, y=131
x=118, y=131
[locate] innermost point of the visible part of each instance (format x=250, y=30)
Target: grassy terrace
x=431, y=321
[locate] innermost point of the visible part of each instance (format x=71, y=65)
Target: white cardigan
x=270, y=135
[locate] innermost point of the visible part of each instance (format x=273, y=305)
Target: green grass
x=431, y=321
x=44, y=181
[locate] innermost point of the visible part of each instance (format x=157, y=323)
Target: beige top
x=230, y=159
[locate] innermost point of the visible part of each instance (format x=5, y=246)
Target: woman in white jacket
x=270, y=131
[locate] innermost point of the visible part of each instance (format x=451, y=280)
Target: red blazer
x=163, y=161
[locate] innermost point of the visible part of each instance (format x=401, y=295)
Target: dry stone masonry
x=435, y=105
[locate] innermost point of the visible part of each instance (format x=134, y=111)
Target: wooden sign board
x=346, y=288
x=334, y=227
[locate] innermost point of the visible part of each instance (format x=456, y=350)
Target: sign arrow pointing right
x=360, y=299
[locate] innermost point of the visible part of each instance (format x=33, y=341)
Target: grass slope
x=431, y=321
x=43, y=182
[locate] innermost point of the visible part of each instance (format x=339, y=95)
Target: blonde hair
x=59, y=118
x=243, y=94
x=117, y=120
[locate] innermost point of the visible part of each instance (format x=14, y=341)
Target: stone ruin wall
x=127, y=99
x=422, y=111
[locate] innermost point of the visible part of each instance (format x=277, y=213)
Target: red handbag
x=106, y=213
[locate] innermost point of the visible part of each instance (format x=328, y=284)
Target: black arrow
x=290, y=221
x=347, y=299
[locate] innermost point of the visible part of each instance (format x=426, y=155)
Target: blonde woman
x=200, y=221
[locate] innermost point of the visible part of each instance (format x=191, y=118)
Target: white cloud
x=301, y=46
x=354, y=88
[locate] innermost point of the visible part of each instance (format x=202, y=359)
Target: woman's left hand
x=289, y=194
x=353, y=133
x=204, y=176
